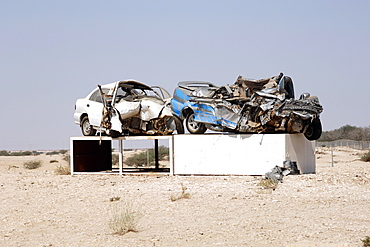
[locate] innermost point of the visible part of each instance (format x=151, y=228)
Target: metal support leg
x=71, y=156
x=171, y=144
x=120, y=156
x=156, y=154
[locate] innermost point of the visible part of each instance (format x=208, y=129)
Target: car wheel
x=114, y=133
x=179, y=125
x=86, y=128
x=193, y=126
x=314, y=130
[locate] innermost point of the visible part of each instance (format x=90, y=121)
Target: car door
x=163, y=93
x=94, y=108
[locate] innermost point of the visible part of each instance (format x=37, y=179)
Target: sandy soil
x=329, y=208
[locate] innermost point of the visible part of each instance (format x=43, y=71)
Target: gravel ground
x=329, y=208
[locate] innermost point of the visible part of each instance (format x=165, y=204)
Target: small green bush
x=62, y=151
x=141, y=159
x=32, y=164
x=20, y=153
x=115, y=159
x=53, y=161
x=366, y=157
x=4, y=153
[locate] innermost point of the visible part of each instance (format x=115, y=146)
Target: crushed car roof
x=128, y=83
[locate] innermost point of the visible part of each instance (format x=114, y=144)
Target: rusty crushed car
x=125, y=108
x=247, y=106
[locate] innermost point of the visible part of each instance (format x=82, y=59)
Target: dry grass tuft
x=183, y=195
x=123, y=218
x=63, y=170
x=268, y=184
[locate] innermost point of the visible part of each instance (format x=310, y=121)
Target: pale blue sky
x=53, y=52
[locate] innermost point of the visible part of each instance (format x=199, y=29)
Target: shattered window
x=145, y=92
x=96, y=96
x=123, y=92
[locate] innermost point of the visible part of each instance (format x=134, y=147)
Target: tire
x=114, y=133
x=179, y=125
x=193, y=126
x=86, y=128
x=314, y=130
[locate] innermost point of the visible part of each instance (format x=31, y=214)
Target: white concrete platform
x=207, y=154
x=240, y=154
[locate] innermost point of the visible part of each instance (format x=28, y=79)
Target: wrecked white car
x=247, y=106
x=125, y=108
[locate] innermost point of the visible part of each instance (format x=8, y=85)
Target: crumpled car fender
x=151, y=110
x=128, y=109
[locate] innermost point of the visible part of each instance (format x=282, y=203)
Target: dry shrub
x=66, y=157
x=114, y=198
x=63, y=170
x=124, y=218
x=268, y=183
x=115, y=159
x=183, y=195
x=366, y=157
x=34, y=164
x=366, y=241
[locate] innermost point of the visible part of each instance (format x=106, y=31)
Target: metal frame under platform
x=89, y=155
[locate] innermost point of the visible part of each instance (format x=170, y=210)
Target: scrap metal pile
x=249, y=106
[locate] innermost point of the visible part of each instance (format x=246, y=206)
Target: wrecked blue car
x=247, y=106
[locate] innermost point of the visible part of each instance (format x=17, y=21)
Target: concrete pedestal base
x=243, y=154
x=210, y=154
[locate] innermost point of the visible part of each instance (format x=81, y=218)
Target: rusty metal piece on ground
x=292, y=167
x=278, y=172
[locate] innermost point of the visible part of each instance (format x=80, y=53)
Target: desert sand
x=329, y=208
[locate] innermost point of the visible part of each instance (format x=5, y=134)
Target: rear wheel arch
x=82, y=117
x=186, y=112
x=86, y=128
x=193, y=126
